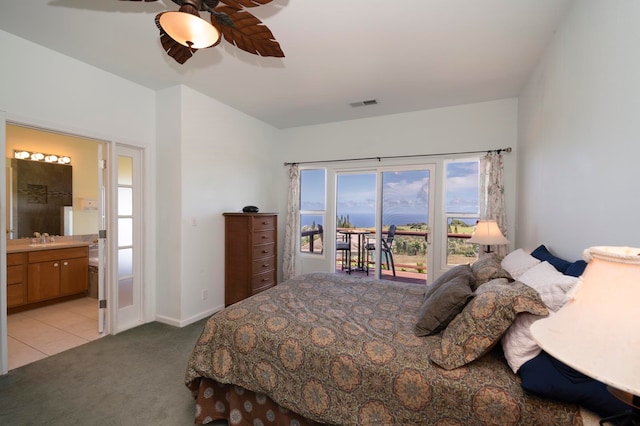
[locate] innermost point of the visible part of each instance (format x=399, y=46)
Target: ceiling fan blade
x=248, y=32
x=238, y=4
x=174, y=49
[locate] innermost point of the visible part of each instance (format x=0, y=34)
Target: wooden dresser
x=251, y=247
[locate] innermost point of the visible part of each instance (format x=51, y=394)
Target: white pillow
x=518, y=262
x=551, y=284
x=518, y=344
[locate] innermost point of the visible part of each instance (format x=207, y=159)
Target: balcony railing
x=315, y=246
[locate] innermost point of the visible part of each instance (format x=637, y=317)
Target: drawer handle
x=265, y=223
x=265, y=265
x=265, y=279
x=55, y=265
x=66, y=263
x=264, y=237
x=265, y=251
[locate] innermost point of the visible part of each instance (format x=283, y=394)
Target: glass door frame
x=378, y=171
x=132, y=316
x=431, y=168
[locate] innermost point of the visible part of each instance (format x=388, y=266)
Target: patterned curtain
x=292, y=225
x=492, y=194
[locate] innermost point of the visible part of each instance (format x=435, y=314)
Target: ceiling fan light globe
x=188, y=30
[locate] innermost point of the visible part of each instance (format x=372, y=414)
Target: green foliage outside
x=460, y=246
x=343, y=222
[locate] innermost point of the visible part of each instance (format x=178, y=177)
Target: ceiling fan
x=183, y=32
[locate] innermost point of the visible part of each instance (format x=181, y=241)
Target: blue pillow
x=542, y=254
x=547, y=377
x=576, y=268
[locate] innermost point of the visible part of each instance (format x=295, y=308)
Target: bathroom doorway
x=36, y=333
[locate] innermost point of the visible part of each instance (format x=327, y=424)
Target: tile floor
x=35, y=334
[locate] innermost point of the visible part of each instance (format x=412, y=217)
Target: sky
x=404, y=191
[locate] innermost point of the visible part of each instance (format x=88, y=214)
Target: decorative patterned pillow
x=487, y=268
x=483, y=321
x=443, y=305
x=458, y=271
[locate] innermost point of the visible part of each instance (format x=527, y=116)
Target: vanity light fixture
x=39, y=156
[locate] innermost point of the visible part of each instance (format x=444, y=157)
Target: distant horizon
x=367, y=220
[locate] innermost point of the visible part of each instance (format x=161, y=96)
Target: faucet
x=42, y=237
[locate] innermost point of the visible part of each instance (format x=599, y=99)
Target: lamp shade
x=488, y=233
x=187, y=28
x=597, y=332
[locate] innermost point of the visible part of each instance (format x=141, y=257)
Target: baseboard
x=185, y=322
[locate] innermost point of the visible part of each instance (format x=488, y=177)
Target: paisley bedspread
x=341, y=350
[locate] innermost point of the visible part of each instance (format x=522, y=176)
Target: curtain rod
x=497, y=151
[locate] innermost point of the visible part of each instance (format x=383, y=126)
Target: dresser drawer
x=264, y=265
x=263, y=237
x=261, y=282
x=264, y=222
x=263, y=250
x=15, y=274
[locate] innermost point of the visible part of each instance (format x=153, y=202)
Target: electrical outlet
x=204, y=294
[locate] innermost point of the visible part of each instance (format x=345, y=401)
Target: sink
x=23, y=245
x=56, y=244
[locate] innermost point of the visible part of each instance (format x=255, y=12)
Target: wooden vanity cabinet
x=16, y=279
x=57, y=273
x=250, y=254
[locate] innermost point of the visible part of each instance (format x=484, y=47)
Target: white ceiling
x=407, y=54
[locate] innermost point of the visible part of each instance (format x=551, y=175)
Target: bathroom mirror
x=39, y=198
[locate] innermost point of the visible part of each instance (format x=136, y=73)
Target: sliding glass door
x=355, y=219
x=385, y=216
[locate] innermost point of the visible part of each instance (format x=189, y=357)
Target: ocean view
x=368, y=220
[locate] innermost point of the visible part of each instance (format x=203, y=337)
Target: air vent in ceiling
x=364, y=103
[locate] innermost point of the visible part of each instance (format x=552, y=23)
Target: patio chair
x=344, y=246
x=385, y=248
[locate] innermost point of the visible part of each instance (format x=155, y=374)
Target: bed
x=335, y=349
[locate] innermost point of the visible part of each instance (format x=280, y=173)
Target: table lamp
x=488, y=233
x=598, y=331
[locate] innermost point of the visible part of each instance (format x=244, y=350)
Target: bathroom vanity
x=46, y=273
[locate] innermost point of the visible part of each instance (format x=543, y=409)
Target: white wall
x=487, y=125
x=212, y=159
x=578, y=134
x=46, y=88
x=168, y=215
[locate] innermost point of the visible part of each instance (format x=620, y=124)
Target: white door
x=128, y=271
x=102, y=242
